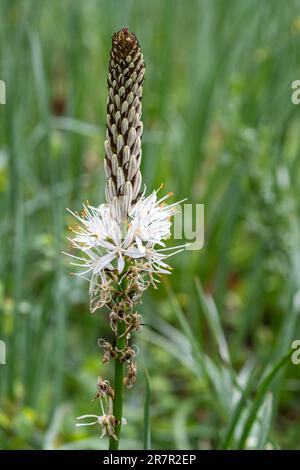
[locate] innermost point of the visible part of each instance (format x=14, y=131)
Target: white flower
x=107, y=422
x=97, y=226
x=152, y=220
x=107, y=242
x=99, y=238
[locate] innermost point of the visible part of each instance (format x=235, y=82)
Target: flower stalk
x=118, y=385
x=122, y=243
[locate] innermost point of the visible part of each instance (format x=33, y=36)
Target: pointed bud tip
x=125, y=40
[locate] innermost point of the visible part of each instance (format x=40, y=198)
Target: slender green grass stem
x=118, y=387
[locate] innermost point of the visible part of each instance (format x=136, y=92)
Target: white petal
x=134, y=253
x=103, y=261
x=85, y=424
x=140, y=245
x=121, y=264
x=87, y=416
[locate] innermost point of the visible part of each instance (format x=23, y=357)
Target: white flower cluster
x=111, y=243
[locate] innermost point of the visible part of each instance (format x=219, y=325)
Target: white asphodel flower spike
x=122, y=244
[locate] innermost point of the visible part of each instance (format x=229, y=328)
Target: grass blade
x=261, y=394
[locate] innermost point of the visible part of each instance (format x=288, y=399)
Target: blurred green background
x=220, y=128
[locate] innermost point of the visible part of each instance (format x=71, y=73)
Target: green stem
x=118, y=387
